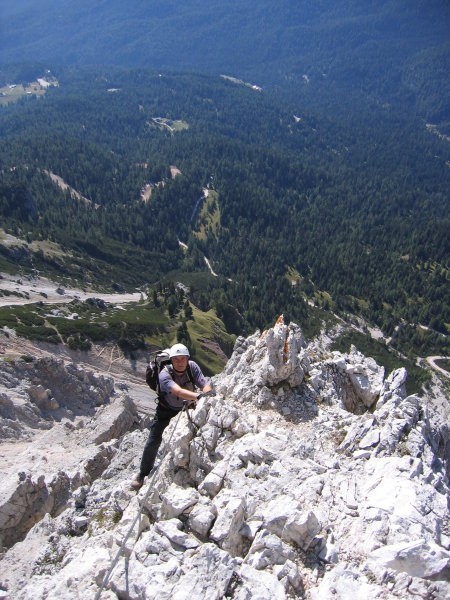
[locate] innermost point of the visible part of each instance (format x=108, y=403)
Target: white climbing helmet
x=178, y=350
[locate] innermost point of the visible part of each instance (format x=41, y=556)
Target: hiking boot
x=137, y=483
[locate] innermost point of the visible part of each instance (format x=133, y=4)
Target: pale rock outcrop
x=42, y=398
x=418, y=558
x=301, y=528
x=201, y=517
x=360, y=379
x=273, y=358
x=72, y=419
x=230, y=510
x=267, y=550
x=345, y=582
x=203, y=572
x=309, y=476
x=177, y=500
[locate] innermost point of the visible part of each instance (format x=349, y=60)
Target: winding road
x=431, y=360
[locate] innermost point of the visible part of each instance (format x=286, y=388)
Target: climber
x=177, y=384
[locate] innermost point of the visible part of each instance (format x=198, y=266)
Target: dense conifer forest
x=268, y=177
x=289, y=206
x=392, y=51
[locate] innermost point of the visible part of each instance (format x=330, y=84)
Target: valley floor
x=28, y=289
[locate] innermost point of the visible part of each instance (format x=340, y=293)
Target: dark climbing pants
x=160, y=422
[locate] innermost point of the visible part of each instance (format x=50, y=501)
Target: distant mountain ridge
x=396, y=50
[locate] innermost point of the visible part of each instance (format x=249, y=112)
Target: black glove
x=192, y=404
x=206, y=394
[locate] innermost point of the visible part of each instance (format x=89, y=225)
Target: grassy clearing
x=169, y=125
x=206, y=327
x=208, y=221
x=179, y=125
x=48, y=249
x=9, y=94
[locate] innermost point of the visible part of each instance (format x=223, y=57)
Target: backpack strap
x=189, y=374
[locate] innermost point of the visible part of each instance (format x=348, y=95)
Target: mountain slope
x=396, y=51
x=306, y=190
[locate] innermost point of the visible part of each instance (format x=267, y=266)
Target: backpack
x=154, y=367
x=160, y=360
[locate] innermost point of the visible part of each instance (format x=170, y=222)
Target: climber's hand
x=206, y=394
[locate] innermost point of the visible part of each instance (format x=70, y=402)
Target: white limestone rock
x=258, y=585
x=418, y=558
x=394, y=384
x=361, y=380
x=400, y=420
x=207, y=573
x=267, y=550
x=371, y=439
x=267, y=360
x=289, y=575
x=213, y=482
x=249, y=501
x=275, y=513
x=177, y=500
x=114, y=422
x=74, y=579
x=330, y=550
x=201, y=518
x=254, y=448
x=301, y=528
x=230, y=518
x=345, y=582
x=172, y=529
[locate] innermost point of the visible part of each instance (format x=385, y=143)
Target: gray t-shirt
x=167, y=379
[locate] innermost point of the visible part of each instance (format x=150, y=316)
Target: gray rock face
x=70, y=426
x=308, y=475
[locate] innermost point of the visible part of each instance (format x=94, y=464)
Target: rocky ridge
x=309, y=475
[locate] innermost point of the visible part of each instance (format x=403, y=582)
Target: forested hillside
x=390, y=51
x=289, y=205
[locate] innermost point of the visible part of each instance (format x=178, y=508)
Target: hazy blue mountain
x=397, y=50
